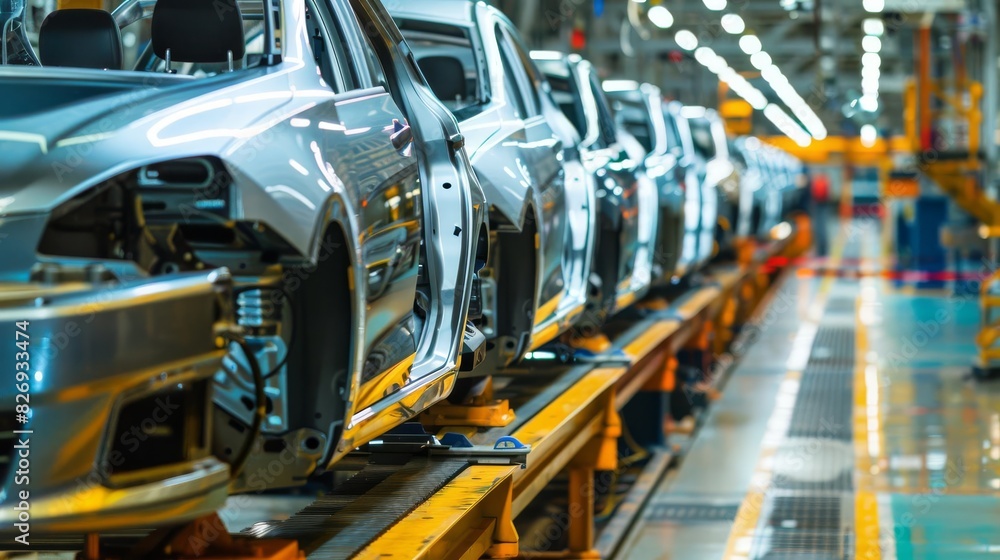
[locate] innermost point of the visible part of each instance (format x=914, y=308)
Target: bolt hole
x=446, y=185
x=228, y=451
x=311, y=443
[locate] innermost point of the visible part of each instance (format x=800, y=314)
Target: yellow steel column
x=581, y=513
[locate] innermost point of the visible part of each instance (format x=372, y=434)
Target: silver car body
x=333, y=198
x=639, y=109
x=721, y=183
x=701, y=202
x=626, y=195
x=535, y=191
x=759, y=181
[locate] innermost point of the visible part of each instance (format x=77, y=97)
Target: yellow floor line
x=867, y=428
x=740, y=542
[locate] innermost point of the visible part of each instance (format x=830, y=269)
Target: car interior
x=137, y=37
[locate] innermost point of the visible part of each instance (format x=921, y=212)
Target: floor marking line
x=867, y=429
x=741, y=536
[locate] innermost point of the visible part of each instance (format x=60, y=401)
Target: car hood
x=62, y=131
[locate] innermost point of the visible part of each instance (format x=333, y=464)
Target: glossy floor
x=850, y=429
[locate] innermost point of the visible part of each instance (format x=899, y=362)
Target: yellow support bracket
x=470, y=517
x=481, y=411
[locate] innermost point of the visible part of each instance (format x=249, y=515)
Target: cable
x=260, y=409
x=294, y=330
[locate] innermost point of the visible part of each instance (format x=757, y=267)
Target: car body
x=701, y=203
x=542, y=215
x=350, y=241
x=639, y=109
x=760, y=184
x=627, y=226
x=721, y=181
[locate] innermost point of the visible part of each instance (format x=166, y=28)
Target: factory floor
x=850, y=429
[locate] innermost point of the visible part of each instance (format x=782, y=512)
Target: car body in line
x=760, y=183
x=537, y=281
x=709, y=136
x=626, y=247
x=701, y=202
x=308, y=198
x=639, y=108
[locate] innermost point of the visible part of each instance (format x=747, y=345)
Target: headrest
x=81, y=39
x=445, y=75
x=197, y=30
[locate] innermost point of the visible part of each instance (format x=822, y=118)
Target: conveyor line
x=340, y=524
x=455, y=509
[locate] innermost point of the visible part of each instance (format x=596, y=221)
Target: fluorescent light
x=715, y=5
x=547, y=55
x=685, y=40
x=733, y=24
x=750, y=44
x=868, y=135
x=871, y=44
x=756, y=99
x=704, y=55
x=870, y=72
x=787, y=125
x=771, y=73
x=873, y=26
x=717, y=65
x=869, y=84
x=660, y=17
x=760, y=60
x=871, y=59
x=620, y=85
x=874, y=6
x=869, y=102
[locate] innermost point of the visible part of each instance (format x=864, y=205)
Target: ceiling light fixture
x=686, y=40
x=750, y=44
x=873, y=6
x=760, y=60
x=660, y=17
x=868, y=135
x=873, y=26
x=732, y=24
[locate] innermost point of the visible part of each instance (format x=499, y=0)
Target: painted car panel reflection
x=477, y=64
x=334, y=189
x=626, y=196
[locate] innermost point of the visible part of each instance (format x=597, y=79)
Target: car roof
x=459, y=12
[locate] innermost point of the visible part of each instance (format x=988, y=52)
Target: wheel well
x=321, y=358
x=517, y=282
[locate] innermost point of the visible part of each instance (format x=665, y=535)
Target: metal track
x=340, y=524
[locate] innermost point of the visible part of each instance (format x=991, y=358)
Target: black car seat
x=80, y=38
x=201, y=31
x=446, y=77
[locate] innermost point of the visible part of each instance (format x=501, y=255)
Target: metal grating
x=806, y=527
x=365, y=507
x=834, y=346
x=823, y=406
x=692, y=512
x=807, y=507
x=840, y=305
